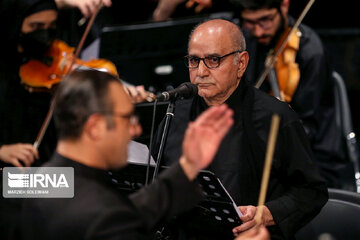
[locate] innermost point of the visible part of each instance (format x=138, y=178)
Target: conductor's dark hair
x=256, y=4
x=80, y=94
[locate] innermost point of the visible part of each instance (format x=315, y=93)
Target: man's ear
x=243, y=63
x=95, y=126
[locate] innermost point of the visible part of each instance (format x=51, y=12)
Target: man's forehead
x=120, y=98
x=45, y=15
x=210, y=42
x=255, y=14
x=208, y=29
x=212, y=31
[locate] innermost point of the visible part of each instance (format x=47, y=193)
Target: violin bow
x=49, y=114
x=274, y=128
x=271, y=59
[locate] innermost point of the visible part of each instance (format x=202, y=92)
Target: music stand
x=217, y=211
x=130, y=178
x=149, y=54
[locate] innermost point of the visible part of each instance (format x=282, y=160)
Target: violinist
x=217, y=59
x=23, y=112
x=31, y=52
x=28, y=29
x=308, y=87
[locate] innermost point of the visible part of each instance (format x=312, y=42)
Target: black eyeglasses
x=133, y=119
x=211, y=61
x=265, y=22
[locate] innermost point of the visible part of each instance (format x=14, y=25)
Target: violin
x=287, y=70
x=48, y=117
x=44, y=75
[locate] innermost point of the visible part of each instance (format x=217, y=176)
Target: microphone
x=185, y=90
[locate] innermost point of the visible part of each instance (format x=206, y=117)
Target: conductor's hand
x=203, y=137
x=258, y=233
x=249, y=218
x=18, y=153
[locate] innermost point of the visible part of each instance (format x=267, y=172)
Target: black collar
x=80, y=169
x=234, y=102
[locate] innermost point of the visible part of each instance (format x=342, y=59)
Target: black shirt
x=313, y=100
x=296, y=192
x=99, y=211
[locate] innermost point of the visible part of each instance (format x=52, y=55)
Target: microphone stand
x=169, y=115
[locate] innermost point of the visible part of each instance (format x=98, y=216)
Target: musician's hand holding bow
x=201, y=4
x=166, y=8
x=18, y=154
x=87, y=7
x=248, y=218
x=138, y=94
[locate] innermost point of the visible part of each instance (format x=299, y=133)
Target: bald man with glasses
x=217, y=60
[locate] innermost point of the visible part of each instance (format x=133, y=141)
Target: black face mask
x=37, y=42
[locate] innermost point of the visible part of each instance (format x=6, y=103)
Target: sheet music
x=138, y=153
x=234, y=204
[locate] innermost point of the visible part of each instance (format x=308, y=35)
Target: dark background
x=337, y=23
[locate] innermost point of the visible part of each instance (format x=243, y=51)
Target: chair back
x=338, y=220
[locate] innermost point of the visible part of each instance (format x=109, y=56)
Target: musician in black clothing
x=311, y=95
x=217, y=61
